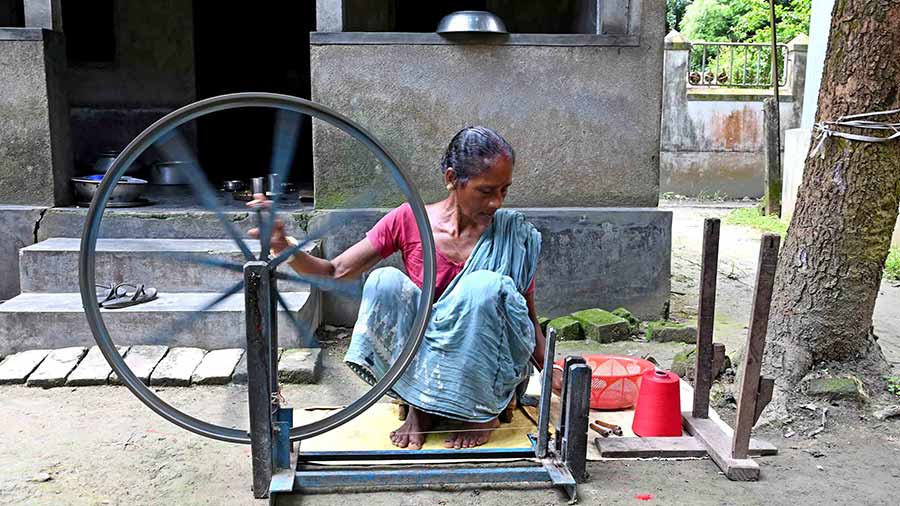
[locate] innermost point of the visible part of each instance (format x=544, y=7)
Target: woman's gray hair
x=473, y=150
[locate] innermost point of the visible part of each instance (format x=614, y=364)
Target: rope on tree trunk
x=826, y=129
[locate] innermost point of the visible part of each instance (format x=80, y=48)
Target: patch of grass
x=892, y=271
x=893, y=384
x=750, y=216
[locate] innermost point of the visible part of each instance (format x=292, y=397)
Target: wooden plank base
x=666, y=447
x=718, y=445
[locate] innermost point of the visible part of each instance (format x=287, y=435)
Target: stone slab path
x=93, y=368
x=176, y=368
x=217, y=367
x=15, y=369
x=56, y=367
x=141, y=359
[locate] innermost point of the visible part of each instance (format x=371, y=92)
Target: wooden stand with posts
x=729, y=448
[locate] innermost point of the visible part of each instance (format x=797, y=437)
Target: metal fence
x=735, y=64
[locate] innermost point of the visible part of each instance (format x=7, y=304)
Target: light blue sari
x=480, y=338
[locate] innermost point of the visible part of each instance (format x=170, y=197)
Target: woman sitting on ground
x=483, y=329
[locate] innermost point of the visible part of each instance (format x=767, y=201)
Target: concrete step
x=56, y=320
x=51, y=266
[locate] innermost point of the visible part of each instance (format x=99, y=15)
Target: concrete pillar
x=329, y=15
x=676, y=53
x=45, y=14
x=819, y=31
x=797, y=49
x=35, y=148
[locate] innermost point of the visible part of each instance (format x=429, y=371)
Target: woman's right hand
x=279, y=240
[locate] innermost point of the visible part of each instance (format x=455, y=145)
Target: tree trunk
x=831, y=265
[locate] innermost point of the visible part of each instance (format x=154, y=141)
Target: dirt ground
x=100, y=445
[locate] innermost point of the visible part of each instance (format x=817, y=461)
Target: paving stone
x=666, y=331
x=240, y=370
x=56, y=367
x=217, y=367
x=602, y=326
x=176, y=368
x=93, y=368
x=300, y=365
x=15, y=368
x=567, y=328
x=841, y=387
x=141, y=359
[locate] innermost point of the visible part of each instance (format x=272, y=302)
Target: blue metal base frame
x=561, y=464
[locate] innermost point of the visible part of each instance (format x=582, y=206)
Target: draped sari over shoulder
x=480, y=338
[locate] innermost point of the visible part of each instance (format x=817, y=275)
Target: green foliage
x=892, y=265
x=674, y=13
x=751, y=216
x=741, y=20
x=893, y=384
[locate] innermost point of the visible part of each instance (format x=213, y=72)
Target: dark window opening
x=12, y=13
x=90, y=31
x=238, y=49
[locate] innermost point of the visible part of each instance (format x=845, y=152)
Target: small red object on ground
x=658, y=411
x=644, y=497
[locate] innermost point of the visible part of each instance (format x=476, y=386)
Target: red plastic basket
x=615, y=379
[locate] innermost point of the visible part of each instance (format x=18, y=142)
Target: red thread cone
x=658, y=411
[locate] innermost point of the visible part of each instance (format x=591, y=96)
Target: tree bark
x=831, y=265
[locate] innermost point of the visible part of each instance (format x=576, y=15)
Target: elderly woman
x=483, y=329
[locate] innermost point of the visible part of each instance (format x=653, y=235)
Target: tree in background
x=740, y=20
x=674, y=13
x=830, y=267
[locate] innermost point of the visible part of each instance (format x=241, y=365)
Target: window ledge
x=434, y=39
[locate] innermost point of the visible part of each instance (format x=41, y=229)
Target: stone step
x=56, y=320
x=93, y=368
x=51, y=266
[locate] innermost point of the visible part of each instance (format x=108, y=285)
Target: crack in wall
x=37, y=225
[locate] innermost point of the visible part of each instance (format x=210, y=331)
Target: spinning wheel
x=259, y=285
x=270, y=434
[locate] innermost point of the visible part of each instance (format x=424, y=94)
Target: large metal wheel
x=206, y=195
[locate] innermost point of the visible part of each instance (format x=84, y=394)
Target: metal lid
x=471, y=22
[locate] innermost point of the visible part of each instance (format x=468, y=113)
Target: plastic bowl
x=615, y=379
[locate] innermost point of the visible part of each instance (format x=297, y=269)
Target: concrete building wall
x=35, y=153
x=18, y=225
x=590, y=257
x=584, y=119
x=711, y=140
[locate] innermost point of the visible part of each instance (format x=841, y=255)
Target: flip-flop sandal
x=105, y=293
x=125, y=298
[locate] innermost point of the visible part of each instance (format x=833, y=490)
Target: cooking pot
x=129, y=189
x=170, y=173
x=105, y=160
x=471, y=22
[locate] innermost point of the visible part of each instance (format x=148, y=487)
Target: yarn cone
x=658, y=411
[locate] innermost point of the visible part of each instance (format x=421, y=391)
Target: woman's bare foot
x=473, y=434
x=410, y=434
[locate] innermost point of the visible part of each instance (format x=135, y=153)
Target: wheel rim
x=165, y=125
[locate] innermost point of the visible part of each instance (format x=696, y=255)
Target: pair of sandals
x=119, y=295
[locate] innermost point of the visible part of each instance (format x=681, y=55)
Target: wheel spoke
x=307, y=339
x=284, y=144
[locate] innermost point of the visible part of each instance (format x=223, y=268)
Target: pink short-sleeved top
x=397, y=231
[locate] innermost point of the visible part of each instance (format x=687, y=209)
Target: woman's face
x=481, y=196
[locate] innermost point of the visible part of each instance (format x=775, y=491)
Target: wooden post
x=756, y=342
x=705, y=317
x=773, y=156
